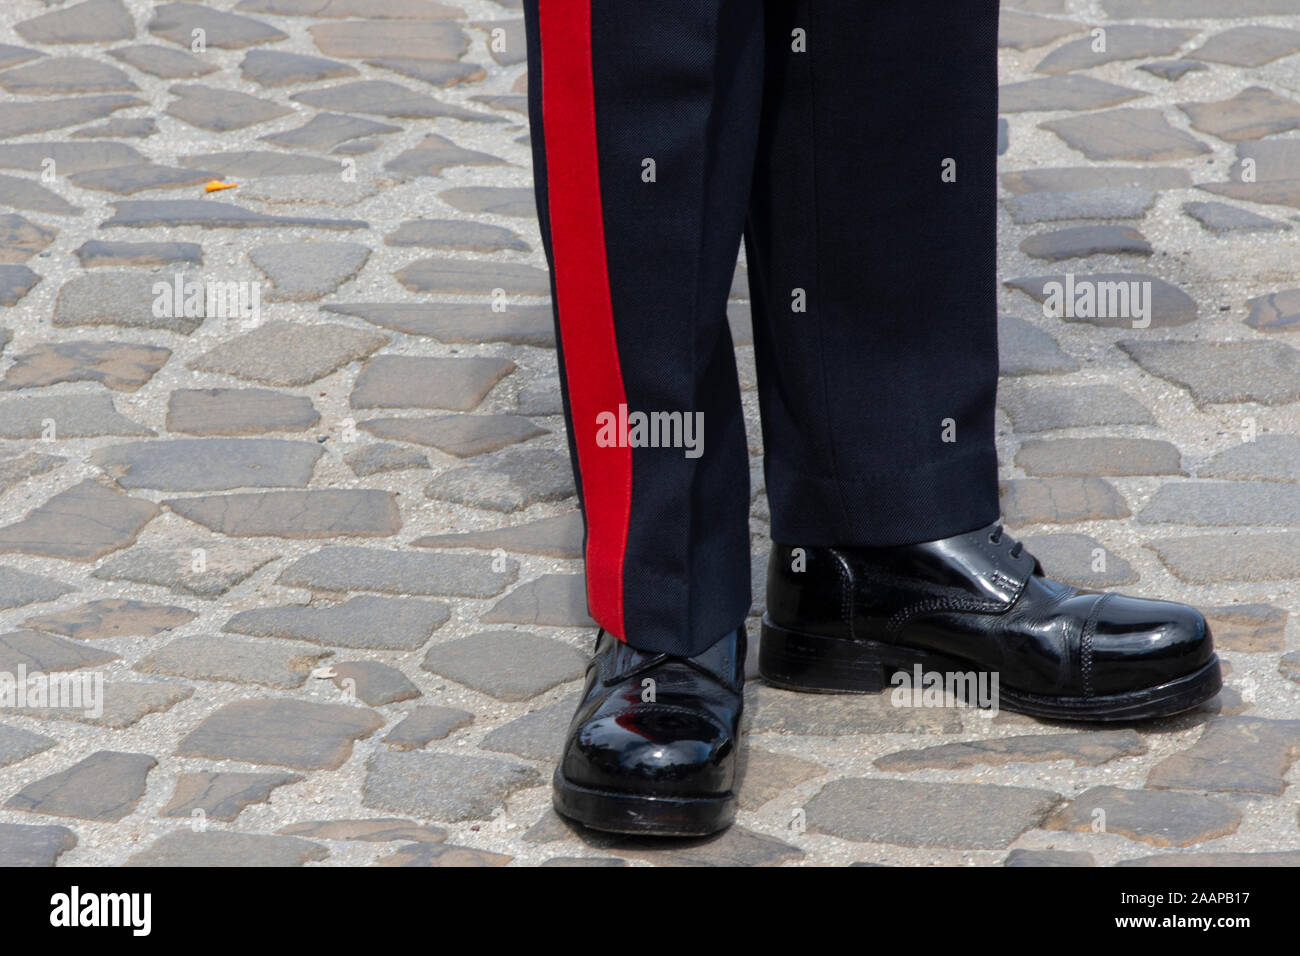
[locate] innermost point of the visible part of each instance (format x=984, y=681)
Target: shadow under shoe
x=848, y=619
x=652, y=746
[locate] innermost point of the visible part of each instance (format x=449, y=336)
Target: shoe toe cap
x=651, y=749
x=1143, y=643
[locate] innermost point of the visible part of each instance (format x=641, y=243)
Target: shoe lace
x=995, y=537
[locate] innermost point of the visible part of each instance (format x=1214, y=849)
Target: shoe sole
x=643, y=814
x=813, y=663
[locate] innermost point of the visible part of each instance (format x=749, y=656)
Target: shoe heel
x=811, y=662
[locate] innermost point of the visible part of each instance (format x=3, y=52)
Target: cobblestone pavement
x=327, y=563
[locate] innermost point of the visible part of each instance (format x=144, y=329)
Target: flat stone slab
x=273, y=68
x=407, y=381
x=128, y=180
x=17, y=744
x=473, y=277
x=210, y=214
x=396, y=9
x=377, y=458
x=400, y=572
x=123, y=704
x=1025, y=349
x=365, y=621
x=65, y=74
x=1160, y=818
x=19, y=119
x=219, y=795
x=19, y=588
x=1023, y=32
x=378, y=830
x=496, y=200
x=770, y=710
x=1248, y=628
x=72, y=416
x=220, y=110
x=15, y=282
x=1219, y=217
x=24, y=845
x=456, y=234
x=461, y=435
x=1252, y=45
x=552, y=600
x=327, y=130
x=763, y=775
x=94, y=21
x=83, y=523
x=1172, y=70
x=69, y=157
x=1065, y=92
x=538, y=735
x=1234, y=755
x=37, y=651
x=429, y=39
x=106, y=786
x=238, y=411
x=1212, y=558
x=1111, y=299
x=1049, y=407
x=162, y=61
x=20, y=238
x=1123, y=42
x=459, y=322
x=1223, y=372
x=219, y=848
x=289, y=353
x=1072, y=179
x=559, y=537
x=373, y=683
x=112, y=617
x=210, y=464
x=1134, y=134
x=442, y=854
x=435, y=153
x=298, y=734
x=27, y=194
x=912, y=813
x=1083, y=241
x=1252, y=113
x=1089, y=749
x=425, y=724
x=261, y=163
x=506, y=480
x=1272, y=173
x=120, y=366
x=16, y=469
x=238, y=660
x=537, y=663
x=96, y=253
x=1275, y=312
x=301, y=272
x=229, y=31
x=446, y=787
x=326, y=513
x=1119, y=202
x=1219, y=503
x=1080, y=560
x=207, y=571
x=382, y=98
x=1059, y=500
x=437, y=72
x=1081, y=457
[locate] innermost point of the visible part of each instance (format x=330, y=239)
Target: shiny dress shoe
x=849, y=619
x=652, y=747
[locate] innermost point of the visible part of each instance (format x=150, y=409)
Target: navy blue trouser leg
x=852, y=143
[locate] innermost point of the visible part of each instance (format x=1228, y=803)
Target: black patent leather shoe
x=851, y=619
x=652, y=747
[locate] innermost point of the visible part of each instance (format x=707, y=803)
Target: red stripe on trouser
x=586, y=316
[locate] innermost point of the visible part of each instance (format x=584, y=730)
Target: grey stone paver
x=401, y=382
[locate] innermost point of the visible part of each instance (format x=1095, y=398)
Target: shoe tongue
x=985, y=568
